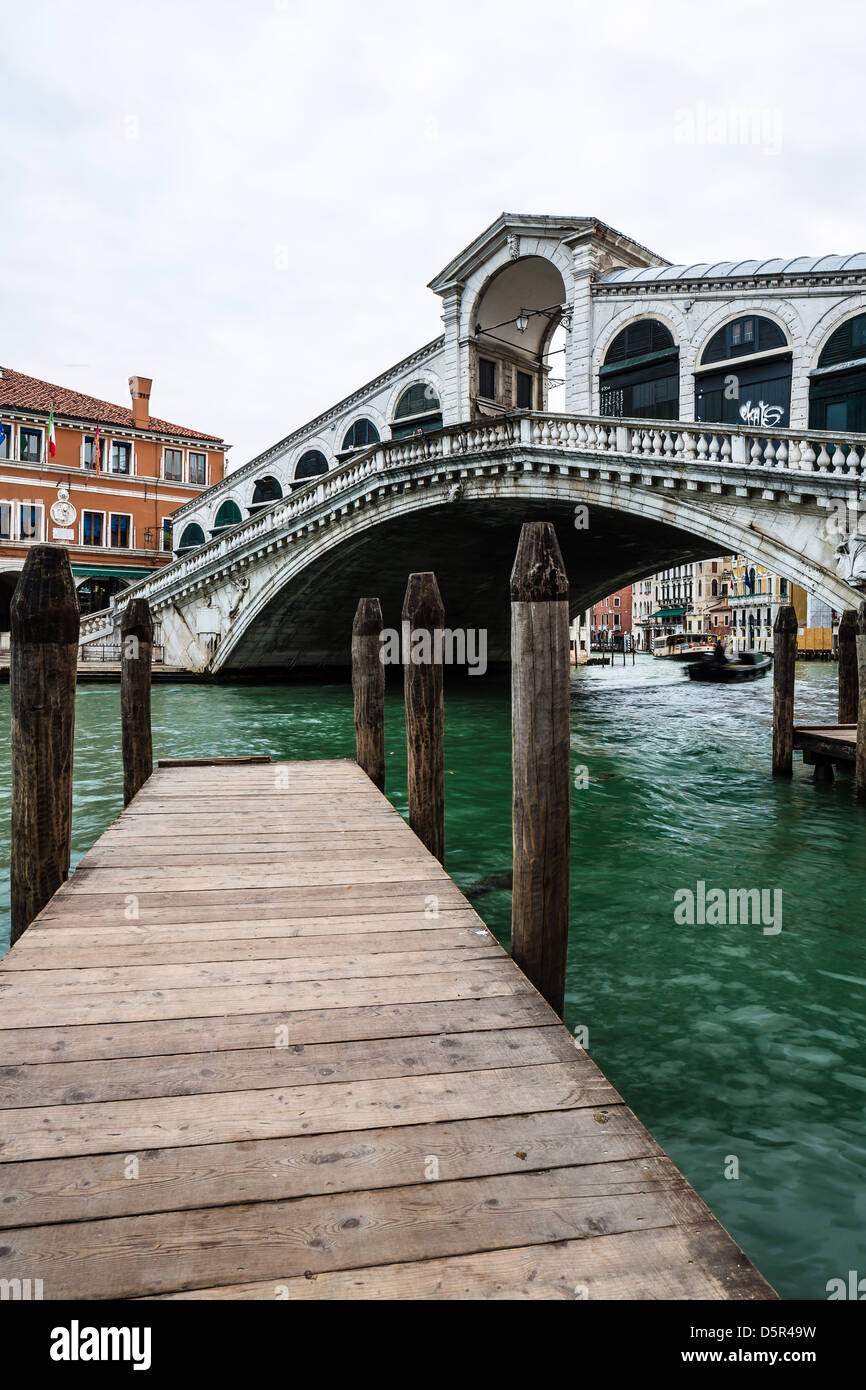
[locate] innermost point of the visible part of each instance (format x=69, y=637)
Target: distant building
x=113, y=512
x=756, y=594
x=611, y=620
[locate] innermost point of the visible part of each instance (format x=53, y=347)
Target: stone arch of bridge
x=301, y=612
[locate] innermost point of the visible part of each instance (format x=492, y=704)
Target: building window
x=640, y=377
x=418, y=410
x=91, y=528
x=616, y=601
x=174, y=465
x=90, y=451
x=5, y=521
x=762, y=393
x=29, y=522
x=361, y=435
x=616, y=620
x=837, y=390
x=5, y=440
x=524, y=391
x=783, y=588
x=121, y=532
x=198, y=468
x=120, y=457
x=229, y=514
x=29, y=445
x=266, y=491
x=166, y=533
x=191, y=538
x=487, y=378
x=309, y=465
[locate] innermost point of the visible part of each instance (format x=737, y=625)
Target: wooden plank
x=501, y=1004
x=125, y=1257
x=461, y=982
x=672, y=1262
x=89, y=951
x=77, y=1083
x=69, y=985
x=42, y=936
x=212, y=1175
x=169, y=1121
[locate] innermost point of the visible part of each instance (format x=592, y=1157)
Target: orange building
x=113, y=513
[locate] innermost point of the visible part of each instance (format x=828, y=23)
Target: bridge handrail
x=650, y=443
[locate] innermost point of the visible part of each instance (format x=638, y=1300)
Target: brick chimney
x=139, y=389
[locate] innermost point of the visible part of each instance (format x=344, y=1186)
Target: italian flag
x=52, y=440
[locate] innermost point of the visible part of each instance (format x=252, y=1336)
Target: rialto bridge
x=693, y=410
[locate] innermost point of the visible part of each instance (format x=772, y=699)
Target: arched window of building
x=837, y=387
x=714, y=588
x=309, y=465
x=192, y=536
x=266, y=491
x=418, y=408
x=744, y=375
x=229, y=514
x=640, y=377
x=360, y=436
x=96, y=592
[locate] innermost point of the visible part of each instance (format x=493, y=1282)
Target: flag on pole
x=52, y=440
x=96, y=448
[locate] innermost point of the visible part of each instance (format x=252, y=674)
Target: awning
x=110, y=572
x=670, y=613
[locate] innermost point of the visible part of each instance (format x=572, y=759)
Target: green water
x=725, y=1040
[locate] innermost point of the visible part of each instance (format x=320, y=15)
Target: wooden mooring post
x=540, y=700
x=860, y=758
x=368, y=690
x=43, y=665
x=784, y=659
x=848, y=678
x=423, y=617
x=136, y=659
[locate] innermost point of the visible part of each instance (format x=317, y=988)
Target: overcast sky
x=245, y=199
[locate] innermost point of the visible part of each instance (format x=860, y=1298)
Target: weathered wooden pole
x=848, y=680
x=368, y=690
x=43, y=665
x=540, y=756
x=136, y=658
x=424, y=617
x=784, y=659
x=861, y=709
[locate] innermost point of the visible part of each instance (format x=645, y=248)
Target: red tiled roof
x=21, y=392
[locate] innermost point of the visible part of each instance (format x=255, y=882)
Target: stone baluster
x=726, y=449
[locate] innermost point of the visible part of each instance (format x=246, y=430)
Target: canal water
x=742, y=1047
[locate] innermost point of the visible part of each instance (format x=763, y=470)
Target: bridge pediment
x=526, y=234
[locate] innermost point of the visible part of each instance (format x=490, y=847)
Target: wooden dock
x=826, y=743
x=260, y=1046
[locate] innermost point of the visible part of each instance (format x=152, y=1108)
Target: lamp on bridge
x=521, y=323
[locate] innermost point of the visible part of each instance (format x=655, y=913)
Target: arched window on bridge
x=228, y=515
x=360, y=436
x=640, y=377
x=744, y=376
x=837, y=388
x=266, y=491
x=191, y=537
x=418, y=408
x=310, y=465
